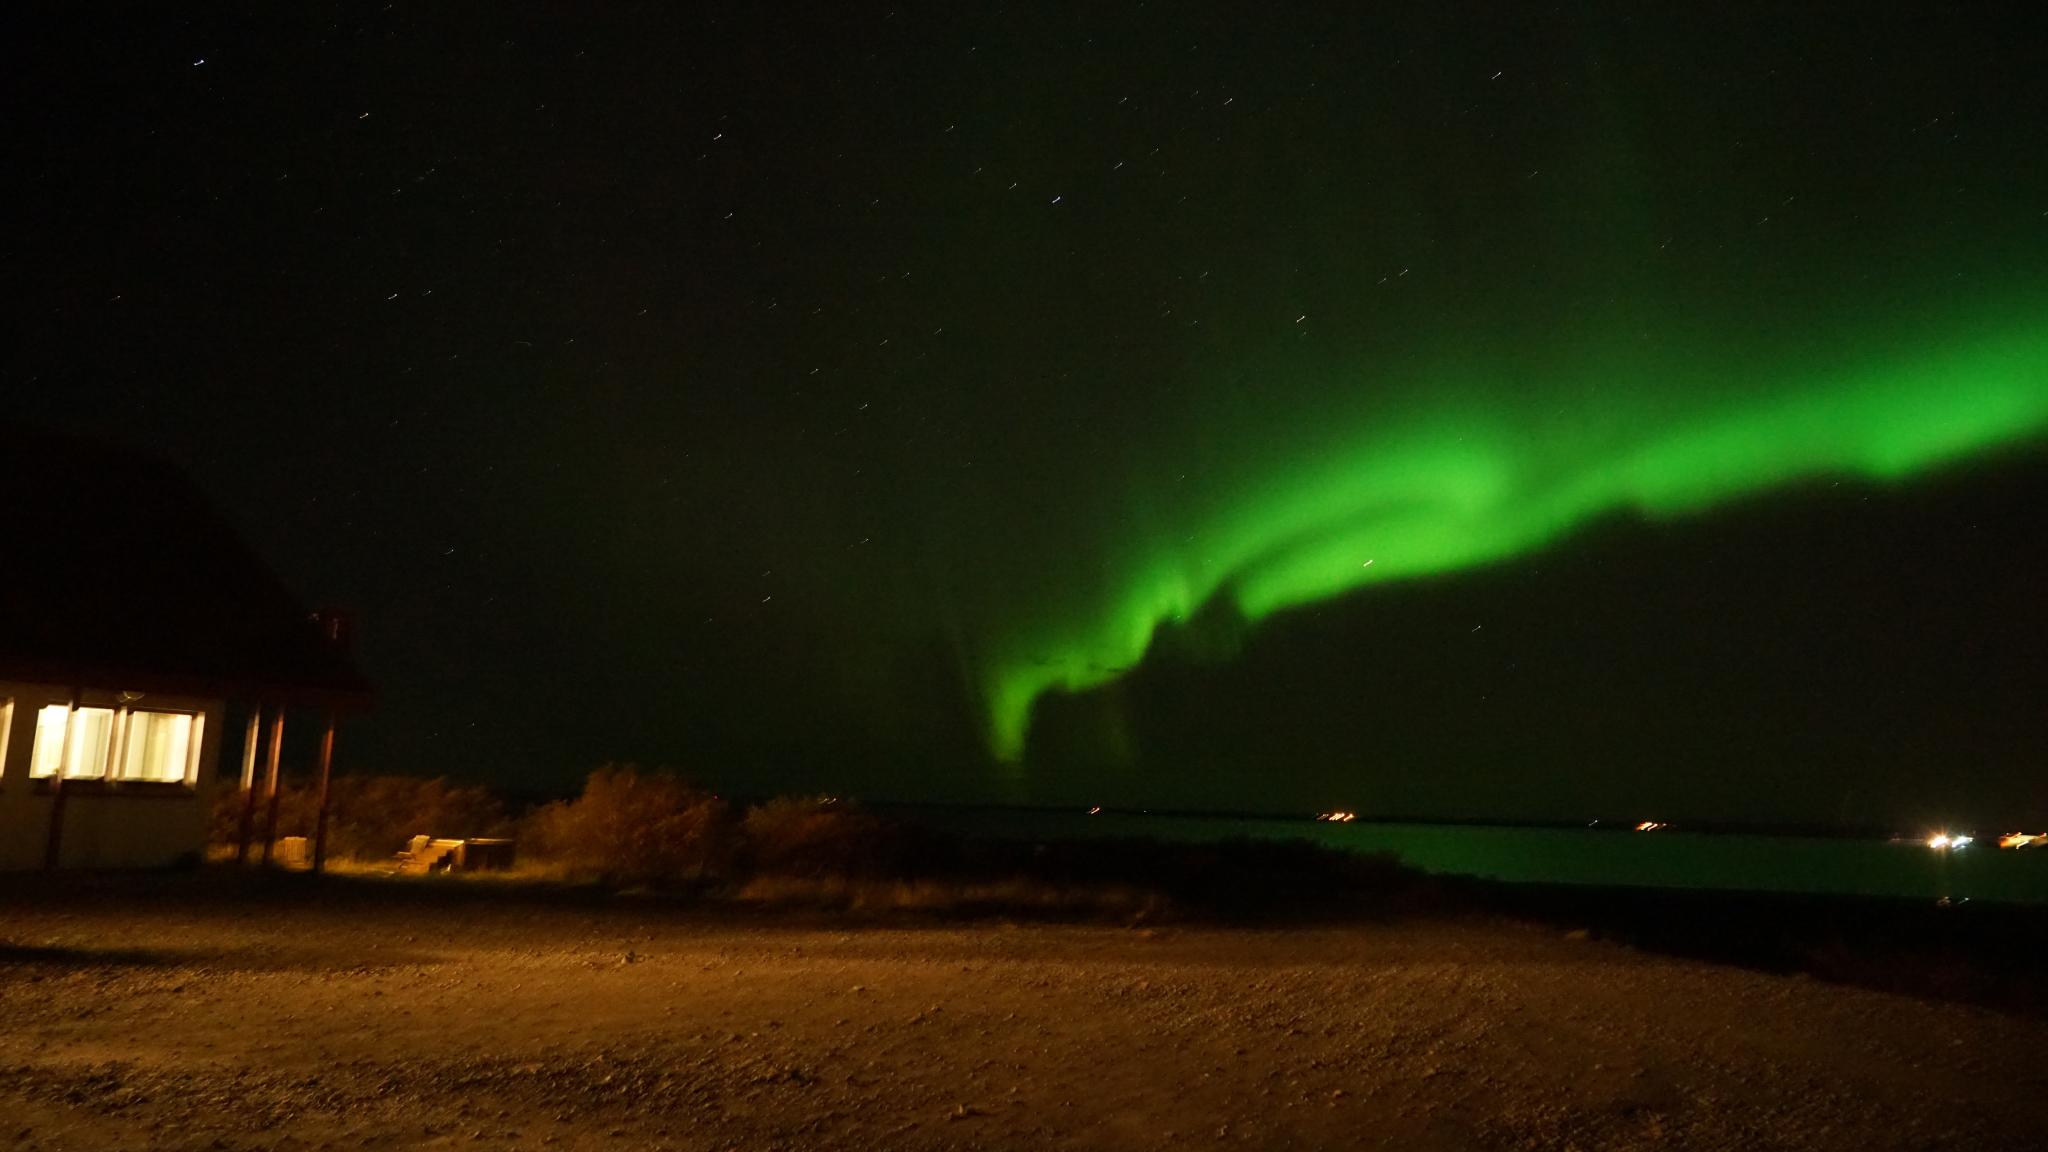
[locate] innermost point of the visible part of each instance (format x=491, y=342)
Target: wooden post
x=270, y=784
x=249, y=785
x=249, y=740
x=326, y=774
x=53, y=844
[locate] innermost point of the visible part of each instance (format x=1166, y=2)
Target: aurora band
x=1434, y=492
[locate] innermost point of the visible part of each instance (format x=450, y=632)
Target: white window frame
x=57, y=753
x=113, y=758
x=122, y=746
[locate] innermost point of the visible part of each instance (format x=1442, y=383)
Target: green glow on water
x=1436, y=491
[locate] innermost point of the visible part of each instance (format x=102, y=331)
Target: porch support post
x=249, y=784
x=326, y=774
x=249, y=740
x=270, y=784
x=53, y=843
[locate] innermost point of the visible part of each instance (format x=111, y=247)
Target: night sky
x=1506, y=411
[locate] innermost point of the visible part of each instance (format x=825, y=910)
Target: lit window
x=158, y=746
x=89, y=744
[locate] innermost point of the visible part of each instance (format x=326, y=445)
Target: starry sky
x=1439, y=410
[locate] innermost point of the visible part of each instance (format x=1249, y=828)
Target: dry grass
x=654, y=831
x=1021, y=897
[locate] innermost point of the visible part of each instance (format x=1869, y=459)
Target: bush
x=817, y=836
x=632, y=827
x=368, y=817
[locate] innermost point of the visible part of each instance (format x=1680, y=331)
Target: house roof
x=116, y=572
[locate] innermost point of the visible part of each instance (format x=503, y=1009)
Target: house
x=131, y=617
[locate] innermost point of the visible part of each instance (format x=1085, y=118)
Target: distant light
x=1650, y=826
x=2023, y=839
x=1094, y=811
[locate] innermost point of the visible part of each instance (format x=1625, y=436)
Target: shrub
x=816, y=836
x=634, y=828
x=368, y=817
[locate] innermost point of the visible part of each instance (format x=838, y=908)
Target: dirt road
x=159, y=1019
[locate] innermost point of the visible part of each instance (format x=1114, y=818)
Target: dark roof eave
x=340, y=697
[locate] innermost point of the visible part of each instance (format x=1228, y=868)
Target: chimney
x=337, y=627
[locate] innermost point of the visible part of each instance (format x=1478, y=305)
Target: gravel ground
x=161, y=1016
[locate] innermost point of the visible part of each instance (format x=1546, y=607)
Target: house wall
x=104, y=826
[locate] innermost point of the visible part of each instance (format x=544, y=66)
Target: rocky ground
x=175, y=1013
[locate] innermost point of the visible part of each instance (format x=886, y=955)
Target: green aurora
x=1129, y=404
x=1465, y=484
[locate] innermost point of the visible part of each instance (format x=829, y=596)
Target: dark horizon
x=802, y=402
